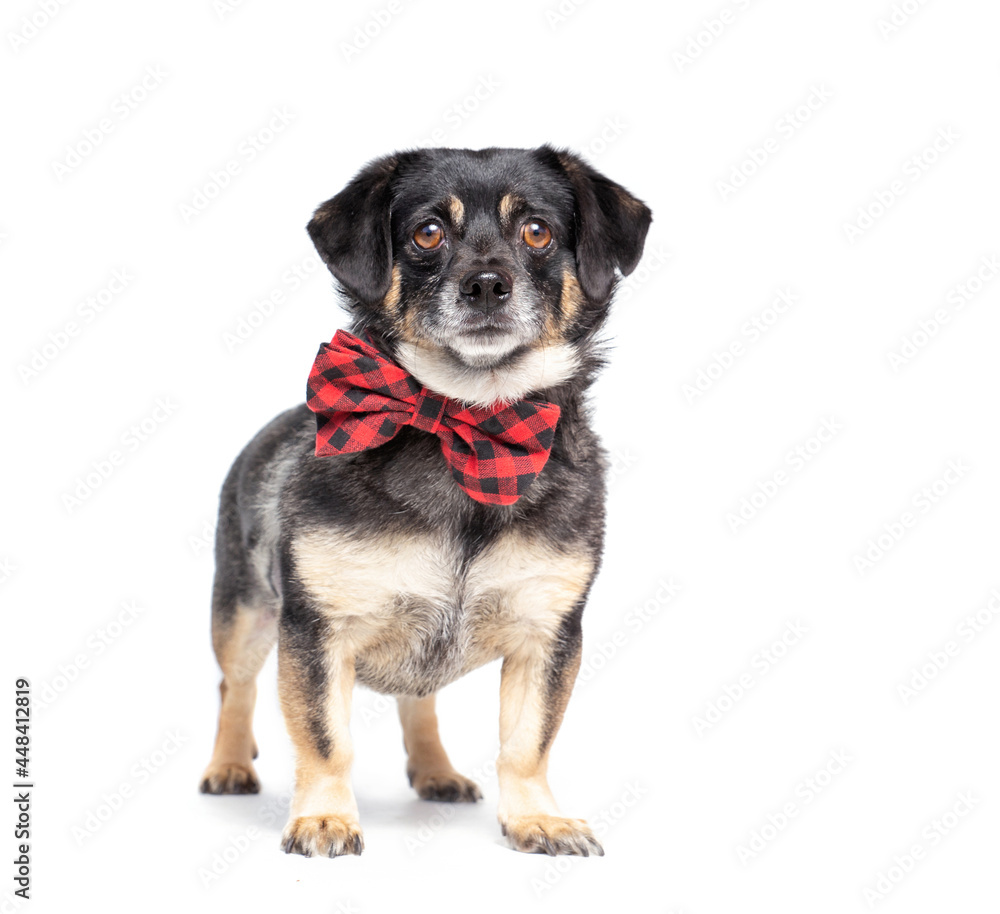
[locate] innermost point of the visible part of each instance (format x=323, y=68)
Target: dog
x=481, y=278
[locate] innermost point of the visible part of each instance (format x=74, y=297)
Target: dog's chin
x=485, y=348
x=482, y=369
x=486, y=339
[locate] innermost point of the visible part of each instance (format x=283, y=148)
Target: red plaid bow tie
x=362, y=399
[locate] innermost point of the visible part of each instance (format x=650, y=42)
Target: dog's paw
x=446, y=787
x=322, y=836
x=229, y=777
x=551, y=835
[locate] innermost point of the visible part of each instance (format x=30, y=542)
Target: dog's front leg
x=315, y=682
x=535, y=684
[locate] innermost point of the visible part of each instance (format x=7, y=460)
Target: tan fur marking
x=241, y=648
x=323, y=818
x=572, y=297
x=508, y=203
x=420, y=733
x=527, y=810
x=355, y=580
x=526, y=589
x=515, y=594
x=539, y=586
x=457, y=210
x=391, y=300
x=428, y=767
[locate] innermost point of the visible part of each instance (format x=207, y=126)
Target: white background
x=606, y=79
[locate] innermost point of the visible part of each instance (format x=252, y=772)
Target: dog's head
x=486, y=271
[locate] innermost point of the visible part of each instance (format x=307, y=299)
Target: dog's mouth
x=489, y=324
x=486, y=355
x=481, y=337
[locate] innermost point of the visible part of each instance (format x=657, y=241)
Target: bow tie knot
x=362, y=399
x=428, y=411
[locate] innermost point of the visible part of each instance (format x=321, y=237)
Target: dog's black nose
x=486, y=289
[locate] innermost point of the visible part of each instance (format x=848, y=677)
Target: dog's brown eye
x=429, y=236
x=537, y=235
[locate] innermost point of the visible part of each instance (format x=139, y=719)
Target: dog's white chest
x=415, y=619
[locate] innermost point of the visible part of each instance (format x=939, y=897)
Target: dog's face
x=476, y=261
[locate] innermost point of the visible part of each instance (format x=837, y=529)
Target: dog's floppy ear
x=351, y=231
x=611, y=227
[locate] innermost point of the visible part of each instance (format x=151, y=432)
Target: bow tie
x=362, y=399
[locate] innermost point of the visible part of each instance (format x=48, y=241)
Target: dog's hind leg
x=427, y=766
x=242, y=637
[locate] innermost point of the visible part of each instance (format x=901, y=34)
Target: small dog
x=477, y=281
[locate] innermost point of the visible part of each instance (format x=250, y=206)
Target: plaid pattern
x=362, y=399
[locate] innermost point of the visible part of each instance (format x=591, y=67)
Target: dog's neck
x=535, y=369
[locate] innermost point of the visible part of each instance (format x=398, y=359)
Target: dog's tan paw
x=446, y=787
x=322, y=836
x=551, y=835
x=229, y=777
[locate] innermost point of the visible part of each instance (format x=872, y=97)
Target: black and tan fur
x=376, y=568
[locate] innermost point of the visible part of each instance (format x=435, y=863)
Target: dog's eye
x=536, y=235
x=428, y=236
